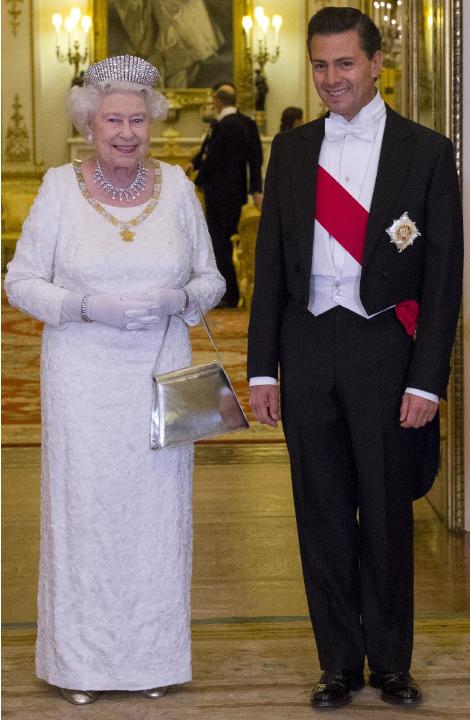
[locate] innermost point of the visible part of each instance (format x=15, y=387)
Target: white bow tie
x=336, y=128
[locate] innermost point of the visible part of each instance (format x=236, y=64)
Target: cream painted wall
x=52, y=83
x=466, y=292
x=287, y=77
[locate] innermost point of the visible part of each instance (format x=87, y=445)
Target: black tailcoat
x=355, y=471
x=233, y=149
x=417, y=175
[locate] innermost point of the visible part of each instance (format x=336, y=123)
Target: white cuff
x=70, y=310
x=423, y=394
x=191, y=314
x=262, y=380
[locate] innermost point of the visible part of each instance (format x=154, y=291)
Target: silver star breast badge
x=403, y=232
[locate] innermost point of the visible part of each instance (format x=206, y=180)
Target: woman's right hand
x=111, y=310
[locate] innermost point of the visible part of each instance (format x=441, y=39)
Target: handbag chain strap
x=206, y=326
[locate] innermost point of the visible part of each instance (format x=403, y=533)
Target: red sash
x=345, y=219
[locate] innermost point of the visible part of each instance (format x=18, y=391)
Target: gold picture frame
x=190, y=97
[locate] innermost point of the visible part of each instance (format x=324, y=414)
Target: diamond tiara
x=122, y=67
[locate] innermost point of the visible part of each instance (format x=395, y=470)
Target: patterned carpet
x=20, y=373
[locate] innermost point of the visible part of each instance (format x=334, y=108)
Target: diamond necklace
x=131, y=192
x=127, y=234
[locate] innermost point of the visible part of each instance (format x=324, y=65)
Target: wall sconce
x=387, y=17
x=256, y=29
x=77, y=28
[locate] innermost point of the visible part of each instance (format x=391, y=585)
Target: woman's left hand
x=168, y=301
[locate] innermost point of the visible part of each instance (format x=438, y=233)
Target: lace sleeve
x=29, y=280
x=205, y=282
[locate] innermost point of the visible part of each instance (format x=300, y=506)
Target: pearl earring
x=90, y=136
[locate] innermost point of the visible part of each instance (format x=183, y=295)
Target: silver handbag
x=193, y=403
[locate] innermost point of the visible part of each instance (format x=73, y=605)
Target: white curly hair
x=83, y=101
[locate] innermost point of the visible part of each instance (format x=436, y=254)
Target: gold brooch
x=403, y=232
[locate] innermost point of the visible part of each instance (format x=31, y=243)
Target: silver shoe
x=79, y=697
x=154, y=692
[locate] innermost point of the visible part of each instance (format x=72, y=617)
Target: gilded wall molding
x=191, y=97
x=448, y=494
x=19, y=113
x=14, y=10
x=456, y=490
x=447, y=67
x=17, y=145
x=175, y=149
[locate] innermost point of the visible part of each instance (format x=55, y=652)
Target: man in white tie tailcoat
x=356, y=300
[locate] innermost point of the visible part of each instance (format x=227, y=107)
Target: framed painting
x=194, y=43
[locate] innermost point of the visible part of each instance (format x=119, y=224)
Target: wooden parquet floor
x=252, y=672
x=253, y=651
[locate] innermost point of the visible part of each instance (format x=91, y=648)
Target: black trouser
x=222, y=225
x=353, y=473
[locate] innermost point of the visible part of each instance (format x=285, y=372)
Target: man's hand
x=264, y=401
x=189, y=169
x=416, y=411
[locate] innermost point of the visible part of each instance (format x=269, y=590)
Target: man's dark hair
x=289, y=116
x=333, y=20
x=226, y=94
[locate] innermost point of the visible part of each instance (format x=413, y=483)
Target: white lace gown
x=116, y=524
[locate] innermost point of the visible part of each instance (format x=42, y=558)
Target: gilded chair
x=244, y=243
x=17, y=198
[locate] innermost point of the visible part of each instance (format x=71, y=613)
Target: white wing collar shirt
x=350, y=153
x=228, y=110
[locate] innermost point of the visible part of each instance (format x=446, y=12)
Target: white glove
x=165, y=301
x=114, y=311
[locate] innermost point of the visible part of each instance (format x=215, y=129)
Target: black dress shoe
x=334, y=688
x=398, y=688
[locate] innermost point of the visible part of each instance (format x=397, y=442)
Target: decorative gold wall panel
x=17, y=145
x=18, y=93
x=15, y=8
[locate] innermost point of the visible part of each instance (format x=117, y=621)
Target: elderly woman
x=112, y=247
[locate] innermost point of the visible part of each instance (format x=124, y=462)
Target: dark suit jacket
x=203, y=150
x=233, y=146
x=417, y=175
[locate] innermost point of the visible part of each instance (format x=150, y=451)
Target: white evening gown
x=116, y=528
